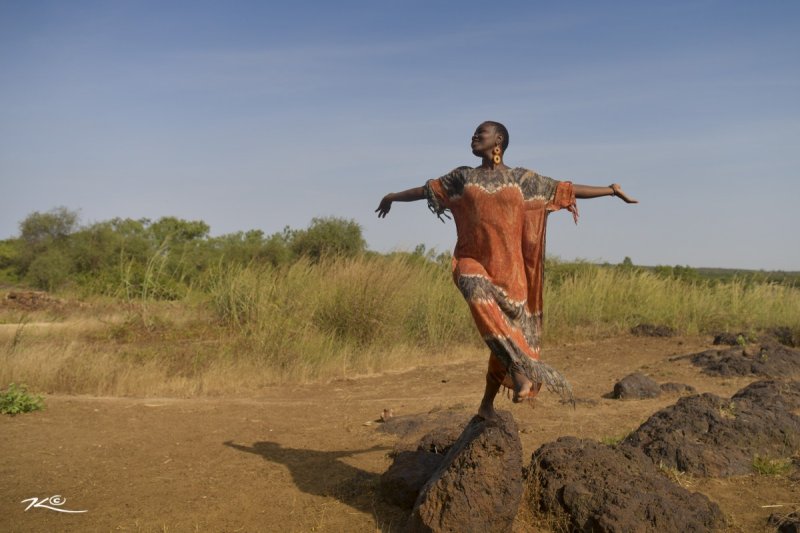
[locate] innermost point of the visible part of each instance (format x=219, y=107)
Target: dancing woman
x=498, y=262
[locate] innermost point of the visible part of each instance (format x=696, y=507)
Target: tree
x=56, y=224
x=328, y=236
x=178, y=230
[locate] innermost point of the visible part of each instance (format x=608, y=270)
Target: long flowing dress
x=498, y=262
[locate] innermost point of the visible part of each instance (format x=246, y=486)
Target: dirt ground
x=308, y=458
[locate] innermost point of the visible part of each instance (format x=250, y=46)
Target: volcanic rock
x=716, y=437
x=596, y=488
x=478, y=486
x=636, y=386
x=766, y=359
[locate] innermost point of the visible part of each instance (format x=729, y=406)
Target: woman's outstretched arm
x=589, y=191
x=410, y=195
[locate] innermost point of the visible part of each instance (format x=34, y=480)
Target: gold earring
x=497, y=151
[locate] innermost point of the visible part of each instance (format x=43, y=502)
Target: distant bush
x=328, y=237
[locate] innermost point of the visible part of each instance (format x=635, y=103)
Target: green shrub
x=16, y=400
x=771, y=467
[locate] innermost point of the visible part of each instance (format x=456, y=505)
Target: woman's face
x=484, y=140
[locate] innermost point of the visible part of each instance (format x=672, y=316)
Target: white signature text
x=48, y=503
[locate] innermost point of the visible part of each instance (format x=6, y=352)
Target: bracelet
x=613, y=192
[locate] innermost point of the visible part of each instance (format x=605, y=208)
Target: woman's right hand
x=617, y=191
x=385, y=206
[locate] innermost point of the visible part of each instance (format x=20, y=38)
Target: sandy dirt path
x=308, y=458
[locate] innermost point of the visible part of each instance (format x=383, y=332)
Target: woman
x=498, y=263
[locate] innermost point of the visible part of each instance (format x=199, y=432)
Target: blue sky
x=258, y=115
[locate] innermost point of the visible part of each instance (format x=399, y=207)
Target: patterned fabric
x=498, y=262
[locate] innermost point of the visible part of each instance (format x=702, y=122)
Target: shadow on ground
x=322, y=473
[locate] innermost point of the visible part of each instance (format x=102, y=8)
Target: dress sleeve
x=442, y=191
x=564, y=198
x=555, y=194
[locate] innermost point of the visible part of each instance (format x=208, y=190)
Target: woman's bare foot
x=486, y=410
x=522, y=385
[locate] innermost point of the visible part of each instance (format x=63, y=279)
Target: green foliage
x=684, y=273
x=9, y=257
x=16, y=400
x=175, y=230
x=164, y=259
x=328, y=236
x=49, y=269
x=771, y=467
x=56, y=224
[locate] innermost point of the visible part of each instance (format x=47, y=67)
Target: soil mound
x=601, y=489
x=785, y=336
x=31, y=300
x=652, y=330
x=782, y=334
x=785, y=524
x=767, y=359
x=716, y=437
x=478, y=485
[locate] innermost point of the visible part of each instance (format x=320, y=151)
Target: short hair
x=501, y=130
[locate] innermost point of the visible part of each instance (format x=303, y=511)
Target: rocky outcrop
x=595, y=488
x=712, y=436
x=478, y=485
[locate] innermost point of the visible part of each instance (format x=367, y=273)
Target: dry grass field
x=251, y=403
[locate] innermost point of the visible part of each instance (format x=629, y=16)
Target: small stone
x=636, y=386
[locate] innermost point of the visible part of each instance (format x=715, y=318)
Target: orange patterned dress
x=498, y=262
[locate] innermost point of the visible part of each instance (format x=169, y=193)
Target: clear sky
x=258, y=115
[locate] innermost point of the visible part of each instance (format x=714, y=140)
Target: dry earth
x=308, y=458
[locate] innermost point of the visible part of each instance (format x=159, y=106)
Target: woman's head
x=488, y=135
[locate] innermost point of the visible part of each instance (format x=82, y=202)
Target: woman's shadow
x=321, y=473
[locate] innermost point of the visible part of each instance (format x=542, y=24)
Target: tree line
x=54, y=250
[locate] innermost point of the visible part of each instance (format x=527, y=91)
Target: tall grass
x=342, y=315
x=246, y=326
x=601, y=301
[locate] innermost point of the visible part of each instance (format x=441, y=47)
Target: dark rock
x=478, y=486
x=636, y=386
x=766, y=359
x=730, y=339
x=678, y=388
x=712, y=436
x=785, y=336
x=771, y=394
x=785, y=523
x=602, y=489
x=417, y=458
x=440, y=440
x=651, y=330
x=407, y=475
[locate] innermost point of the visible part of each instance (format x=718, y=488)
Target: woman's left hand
x=385, y=206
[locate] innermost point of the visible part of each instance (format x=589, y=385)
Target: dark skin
x=484, y=141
